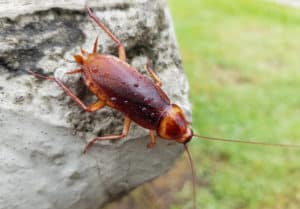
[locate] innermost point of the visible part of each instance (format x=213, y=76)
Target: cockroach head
x=173, y=126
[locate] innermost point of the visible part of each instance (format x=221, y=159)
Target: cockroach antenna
x=246, y=142
x=193, y=174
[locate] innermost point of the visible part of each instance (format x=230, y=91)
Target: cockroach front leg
x=153, y=75
x=152, y=139
x=124, y=133
x=91, y=108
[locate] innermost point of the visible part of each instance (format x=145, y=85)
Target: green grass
x=243, y=63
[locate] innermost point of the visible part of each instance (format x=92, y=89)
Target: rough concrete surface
x=42, y=131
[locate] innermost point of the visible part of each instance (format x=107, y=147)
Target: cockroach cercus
x=114, y=81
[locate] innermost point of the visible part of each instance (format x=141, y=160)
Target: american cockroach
x=120, y=86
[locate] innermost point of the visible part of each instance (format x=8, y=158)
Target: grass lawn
x=243, y=62
x=242, y=58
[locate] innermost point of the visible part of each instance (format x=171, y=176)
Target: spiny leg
x=83, y=52
x=122, y=53
x=152, y=139
x=153, y=75
x=124, y=133
x=95, y=106
x=95, y=45
x=91, y=108
x=74, y=71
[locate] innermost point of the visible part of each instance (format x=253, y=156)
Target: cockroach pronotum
x=120, y=86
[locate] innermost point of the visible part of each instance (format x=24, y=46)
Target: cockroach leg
x=91, y=108
x=83, y=52
x=39, y=75
x=152, y=139
x=79, y=59
x=124, y=133
x=122, y=53
x=74, y=71
x=96, y=106
x=153, y=75
x=95, y=45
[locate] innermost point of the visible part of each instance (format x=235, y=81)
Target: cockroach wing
x=126, y=90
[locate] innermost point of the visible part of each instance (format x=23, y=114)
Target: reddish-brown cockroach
x=118, y=85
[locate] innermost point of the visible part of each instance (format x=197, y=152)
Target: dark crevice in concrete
x=120, y=6
x=55, y=28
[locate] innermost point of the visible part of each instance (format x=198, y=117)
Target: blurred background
x=242, y=58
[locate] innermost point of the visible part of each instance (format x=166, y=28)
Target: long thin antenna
x=193, y=174
x=247, y=142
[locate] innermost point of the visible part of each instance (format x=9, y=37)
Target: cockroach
x=120, y=86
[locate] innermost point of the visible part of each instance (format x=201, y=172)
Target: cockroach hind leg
x=122, y=53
